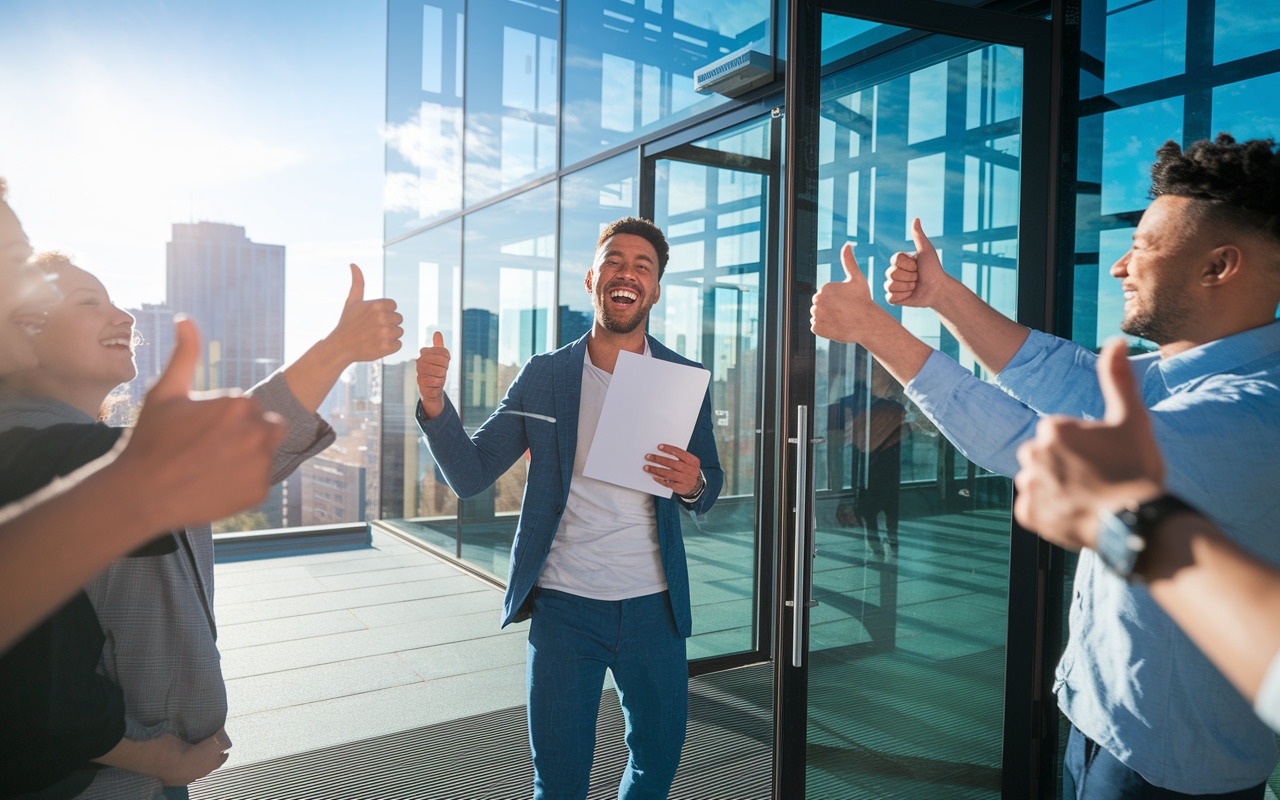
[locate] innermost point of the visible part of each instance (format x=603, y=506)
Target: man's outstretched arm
x=986, y=424
x=470, y=463
x=157, y=478
x=918, y=280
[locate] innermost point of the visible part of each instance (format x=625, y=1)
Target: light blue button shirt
x=1129, y=678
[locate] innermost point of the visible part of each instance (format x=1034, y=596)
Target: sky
x=121, y=118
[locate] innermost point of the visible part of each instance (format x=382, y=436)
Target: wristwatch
x=1124, y=535
x=697, y=490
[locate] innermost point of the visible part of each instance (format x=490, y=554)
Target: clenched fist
x=433, y=365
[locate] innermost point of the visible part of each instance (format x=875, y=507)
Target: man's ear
x=590, y=279
x=1224, y=265
x=657, y=292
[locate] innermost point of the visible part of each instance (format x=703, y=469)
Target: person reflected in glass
x=599, y=568
x=874, y=432
x=155, y=606
x=1201, y=281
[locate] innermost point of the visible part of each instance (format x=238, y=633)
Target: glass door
x=715, y=199
x=898, y=640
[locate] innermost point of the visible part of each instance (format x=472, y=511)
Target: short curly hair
x=642, y=228
x=1237, y=183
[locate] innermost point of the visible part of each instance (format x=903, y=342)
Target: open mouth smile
x=624, y=297
x=118, y=341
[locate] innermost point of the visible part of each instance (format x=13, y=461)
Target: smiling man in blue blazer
x=599, y=568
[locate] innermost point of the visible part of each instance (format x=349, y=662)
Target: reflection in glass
x=709, y=311
x=512, y=78
x=590, y=199
x=425, y=273
x=507, y=296
x=1240, y=30
x=1236, y=108
x=424, y=113
x=1145, y=42
x=1130, y=138
x=912, y=539
x=629, y=65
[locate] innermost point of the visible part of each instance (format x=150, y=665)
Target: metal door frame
x=680, y=147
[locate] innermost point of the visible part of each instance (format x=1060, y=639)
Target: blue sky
x=121, y=118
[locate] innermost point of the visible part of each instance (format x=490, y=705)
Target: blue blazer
x=540, y=414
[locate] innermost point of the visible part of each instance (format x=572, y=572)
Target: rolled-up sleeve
x=983, y=422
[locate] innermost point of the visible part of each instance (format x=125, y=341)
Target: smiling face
x=623, y=282
x=1158, y=274
x=86, y=346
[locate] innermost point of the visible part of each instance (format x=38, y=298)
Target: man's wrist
x=698, y=488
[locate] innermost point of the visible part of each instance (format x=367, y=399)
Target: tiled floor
x=324, y=649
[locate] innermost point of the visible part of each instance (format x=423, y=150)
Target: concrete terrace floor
x=324, y=649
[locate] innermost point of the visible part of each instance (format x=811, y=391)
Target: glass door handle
x=796, y=602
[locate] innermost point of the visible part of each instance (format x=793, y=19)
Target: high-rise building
x=153, y=342
x=234, y=290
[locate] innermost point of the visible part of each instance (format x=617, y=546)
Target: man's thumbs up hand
x=840, y=308
x=1073, y=467
x=433, y=366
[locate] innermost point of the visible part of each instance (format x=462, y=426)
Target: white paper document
x=649, y=402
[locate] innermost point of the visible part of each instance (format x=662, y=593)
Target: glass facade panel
x=589, y=200
x=1240, y=31
x=629, y=64
x=425, y=273
x=424, y=113
x=508, y=292
x=710, y=311
x=912, y=540
x=512, y=77
x=1145, y=41
x=1236, y=108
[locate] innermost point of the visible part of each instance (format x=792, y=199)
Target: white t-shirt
x=1267, y=703
x=606, y=547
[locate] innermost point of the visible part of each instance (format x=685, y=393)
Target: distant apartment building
x=332, y=491
x=234, y=290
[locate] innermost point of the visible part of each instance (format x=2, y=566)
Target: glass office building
x=1019, y=133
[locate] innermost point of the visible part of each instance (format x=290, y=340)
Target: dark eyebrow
x=645, y=256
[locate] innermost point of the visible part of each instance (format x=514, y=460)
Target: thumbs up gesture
x=195, y=460
x=1073, y=468
x=433, y=365
x=841, y=309
x=916, y=279
x=368, y=329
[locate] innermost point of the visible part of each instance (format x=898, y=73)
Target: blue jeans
x=572, y=640
x=1098, y=775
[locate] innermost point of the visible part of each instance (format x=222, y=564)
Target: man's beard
x=1161, y=322
x=612, y=325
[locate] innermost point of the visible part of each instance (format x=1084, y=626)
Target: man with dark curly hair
x=599, y=568
x=1151, y=717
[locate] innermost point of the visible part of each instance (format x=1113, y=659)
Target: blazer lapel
x=568, y=394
